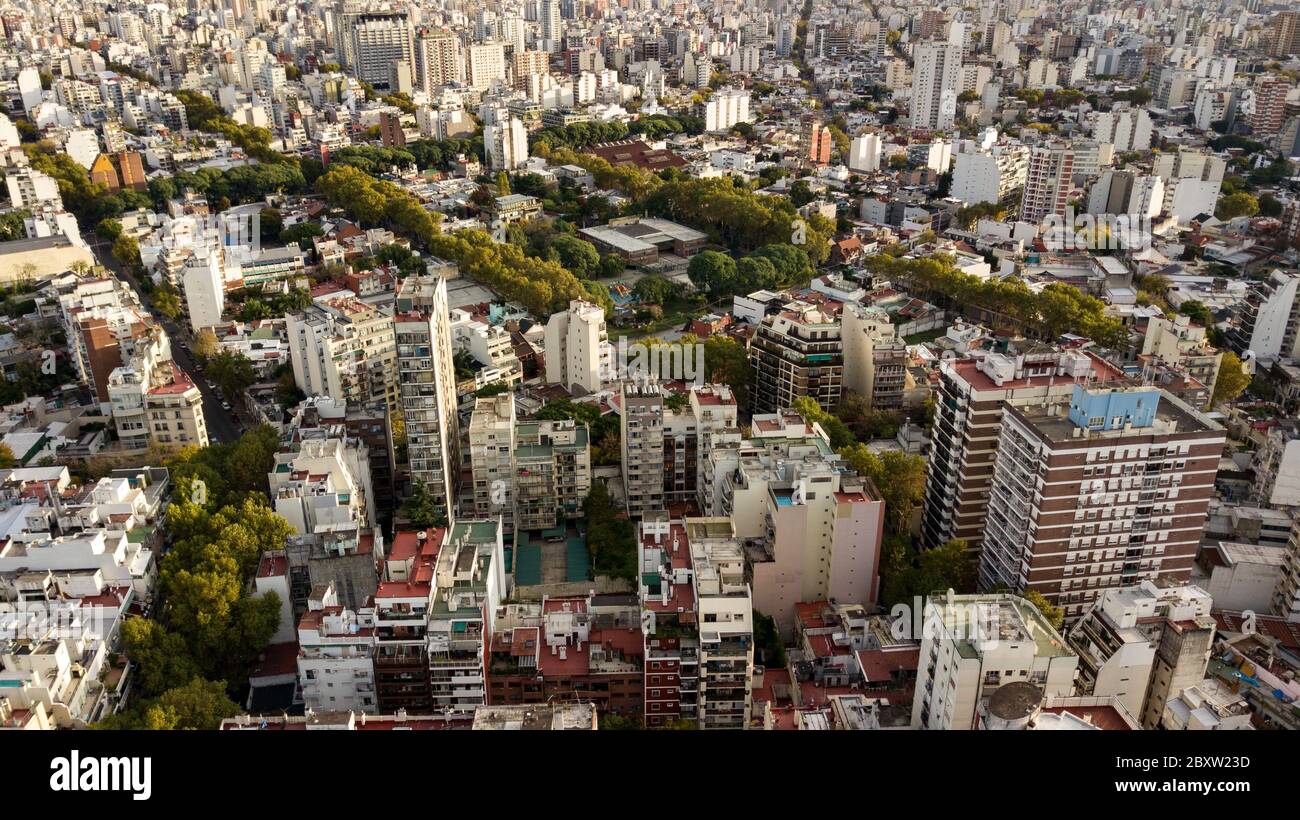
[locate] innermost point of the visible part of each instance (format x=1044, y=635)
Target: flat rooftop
x=975, y=619
x=1172, y=416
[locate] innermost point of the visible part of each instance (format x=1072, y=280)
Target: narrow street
x=223, y=426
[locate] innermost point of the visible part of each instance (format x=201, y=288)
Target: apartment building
x=153, y=400
x=586, y=649
x=875, y=357
x=669, y=623
x=726, y=623
x=107, y=554
x=1268, y=318
x=469, y=587
x=174, y=408
x=485, y=63
x=715, y=417
x=973, y=396
x=577, y=347
x=344, y=348
x=734, y=477
x=323, y=485
x=815, y=141
x=54, y=656
x=345, y=557
x=378, y=40
x=1270, y=95
x=1212, y=105
x=1286, y=596
x=1180, y=343
x=1192, y=181
x=822, y=531
x=491, y=454
x=426, y=379
x=726, y=108
x=972, y=646
x=1108, y=490
x=642, y=440
x=1127, y=129
x=995, y=175
x=800, y=351
x=506, y=143
x=865, y=152
x=104, y=322
x=1285, y=34
x=437, y=60
x=551, y=474
x=403, y=600
x=1120, y=636
x=365, y=426
x=1126, y=192
x=1048, y=182
x=335, y=655
x=936, y=78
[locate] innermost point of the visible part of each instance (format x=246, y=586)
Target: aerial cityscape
x=765, y=365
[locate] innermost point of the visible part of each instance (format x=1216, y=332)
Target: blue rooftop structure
x=1111, y=409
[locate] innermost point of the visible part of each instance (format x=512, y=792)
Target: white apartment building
x=1267, y=319
x=29, y=188
x=1042, y=74
x=726, y=623
x=822, y=531
x=490, y=345
x=995, y=175
x=1117, y=638
x=344, y=348
x=725, y=108
x=54, y=672
x=506, y=144
x=106, y=553
x=335, y=658
x=734, y=475
x=865, y=152
x=203, y=282
x=485, y=63
x=1126, y=192
x=323, y=485
x=1211, y=106
x=1192, y=181
x=971, y=645
x=578, y=353
x=1127, y=129
x=426, y=378
x=1209, y=705
x=378, y=41
x=1176, y=87
x=936, y=79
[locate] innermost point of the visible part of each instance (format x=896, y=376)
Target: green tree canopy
x=1232, y=380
